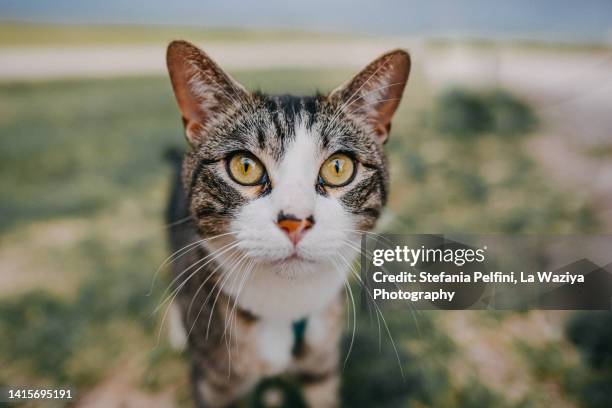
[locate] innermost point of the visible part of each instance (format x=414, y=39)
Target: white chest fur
x=274, y=297
x=274, y=340
x=279, y=301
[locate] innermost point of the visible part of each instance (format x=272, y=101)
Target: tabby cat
x=267, y=213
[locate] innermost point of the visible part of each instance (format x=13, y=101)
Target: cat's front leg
x=222, y=363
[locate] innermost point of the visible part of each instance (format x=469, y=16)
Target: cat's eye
x=245, y=169
x=338, y=170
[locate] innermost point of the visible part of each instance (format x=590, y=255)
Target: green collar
x=299, y=331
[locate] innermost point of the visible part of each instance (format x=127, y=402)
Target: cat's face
x=291, y=181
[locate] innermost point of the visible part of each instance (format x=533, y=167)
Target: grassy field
x=83, y=187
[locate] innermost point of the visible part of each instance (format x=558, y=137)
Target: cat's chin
x=292, y=267
x=293, y=259
x=285, y=258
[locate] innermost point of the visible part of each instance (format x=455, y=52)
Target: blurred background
x=505, y=127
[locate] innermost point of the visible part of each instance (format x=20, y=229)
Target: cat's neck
x=268, y=295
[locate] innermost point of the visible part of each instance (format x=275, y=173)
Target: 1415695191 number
x=38, y=393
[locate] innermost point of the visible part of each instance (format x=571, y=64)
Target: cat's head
x=292, y=181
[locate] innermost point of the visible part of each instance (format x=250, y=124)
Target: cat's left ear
x=376, y=91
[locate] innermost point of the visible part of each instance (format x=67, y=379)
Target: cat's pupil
x=337, y=166
x=246, y=165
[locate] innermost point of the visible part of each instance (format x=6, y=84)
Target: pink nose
x=295, y=228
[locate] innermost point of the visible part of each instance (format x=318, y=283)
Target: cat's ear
x=202, y=89
x=376, y=91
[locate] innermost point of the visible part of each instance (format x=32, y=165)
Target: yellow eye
x=338, y=170
x=245, y=169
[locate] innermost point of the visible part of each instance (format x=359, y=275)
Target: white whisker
x=381, y=315
x=175, y=255
x=177, y=290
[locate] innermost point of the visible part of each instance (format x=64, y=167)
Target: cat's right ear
x=376, y=91
x=203, y=91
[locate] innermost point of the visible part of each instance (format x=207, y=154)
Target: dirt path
x=96, y=61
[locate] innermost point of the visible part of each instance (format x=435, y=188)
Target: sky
x=569, y=20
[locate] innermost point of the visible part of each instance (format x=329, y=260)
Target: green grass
x=82, y=188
